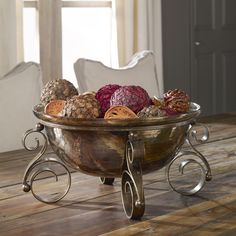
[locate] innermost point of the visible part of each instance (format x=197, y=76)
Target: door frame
x=192, y=63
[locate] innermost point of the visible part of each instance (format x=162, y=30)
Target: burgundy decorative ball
x=176, y=101
x=134, y=97
x=103, y=95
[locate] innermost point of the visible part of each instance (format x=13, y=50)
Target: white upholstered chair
x=141, y=70
x=19, y=91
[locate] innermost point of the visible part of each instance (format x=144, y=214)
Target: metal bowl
x=97, y=146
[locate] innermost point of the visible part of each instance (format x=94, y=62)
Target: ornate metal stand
x=131, y=179
x=132, y=185
x=39, y=164
x=203, y=164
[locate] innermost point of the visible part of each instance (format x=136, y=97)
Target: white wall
x=11, y=36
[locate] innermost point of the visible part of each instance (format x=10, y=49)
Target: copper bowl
x=97, y=146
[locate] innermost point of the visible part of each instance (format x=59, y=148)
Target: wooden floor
x=91, y=208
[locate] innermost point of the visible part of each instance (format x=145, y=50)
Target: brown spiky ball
x=59, y=89
x=82, y=106
x=176, y=101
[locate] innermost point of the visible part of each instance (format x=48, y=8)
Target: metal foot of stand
x=201, y=162
x=107, y=181
x=131, y=179
x=39, y=164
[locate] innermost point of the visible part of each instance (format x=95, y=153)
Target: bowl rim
x=116, y=124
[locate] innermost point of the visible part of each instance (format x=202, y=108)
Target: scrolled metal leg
x=193, y=133
x=131, y=180
x=205, y=171
x=107, y=181
x=39, y=165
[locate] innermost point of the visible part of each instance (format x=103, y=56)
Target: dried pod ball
x=103, y=95
x=119, y=112
x=82, y=106
x=158, y=102
x=55, y=107
x=89, y=93
x=59, y=89
x=134, y=97
x=151, y=111
x=176, y=101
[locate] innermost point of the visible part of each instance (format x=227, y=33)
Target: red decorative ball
x=176, y=101
x=134, y=97
x=103, y=96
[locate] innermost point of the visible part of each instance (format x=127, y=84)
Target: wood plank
x=19, y=154
x=207, y=218
x=103, y=214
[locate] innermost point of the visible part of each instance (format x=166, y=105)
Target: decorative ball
x=119, y=112
x=176, y=101
x=55, y=107
x=82, y=106
x=151, y=111
x=59, y=89
x=158, y=102
x=134, y=97
x=103, y=95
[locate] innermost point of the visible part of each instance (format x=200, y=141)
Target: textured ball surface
x=55, y=107
x=134, y=97
x=158, y=102
x=104, y=94
x=176, y=101
x=60, y=89
x=151, y=111
x=82, y=106
x=119, y=112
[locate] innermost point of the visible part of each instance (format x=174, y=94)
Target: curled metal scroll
x=39, y=165
x=182, y=166
x=192, y=133
x=203, y=164
x=131, y=180
x=45, y=168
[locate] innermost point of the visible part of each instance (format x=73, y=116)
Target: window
x=31, y=43
x=86, y=32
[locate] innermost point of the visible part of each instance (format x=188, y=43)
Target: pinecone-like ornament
x=158, y=102
x=176, y=101
x=83, y=106
x=59, y=89
x=151, y=111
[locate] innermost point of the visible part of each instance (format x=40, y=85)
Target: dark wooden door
x=213, y=44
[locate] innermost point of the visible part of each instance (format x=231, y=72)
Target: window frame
x=76, y=3
x=49, y=16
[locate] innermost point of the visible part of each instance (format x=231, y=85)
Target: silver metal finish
x=131, y=179
x=107, y=181
x=203, y=164
x=117, y=148
x=38, y=165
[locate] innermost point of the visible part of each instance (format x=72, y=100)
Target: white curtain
x=11, y=34
x=139, y=28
